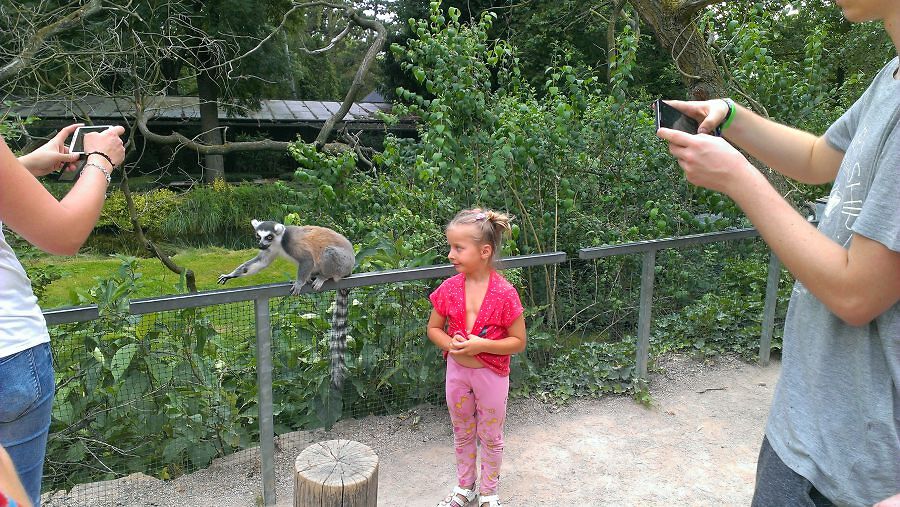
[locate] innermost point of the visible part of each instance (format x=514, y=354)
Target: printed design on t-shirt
x=833, y=201
x=848, y=193
x=852, y=201
x=799, y=289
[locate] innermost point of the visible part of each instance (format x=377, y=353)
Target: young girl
x=477, y=321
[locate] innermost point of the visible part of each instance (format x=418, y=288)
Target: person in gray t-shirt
x=833, y=434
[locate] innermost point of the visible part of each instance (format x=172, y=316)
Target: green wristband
x=730, y=116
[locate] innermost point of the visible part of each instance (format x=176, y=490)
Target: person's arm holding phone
x=57, y=227
x=794, y=153
x=856, y=284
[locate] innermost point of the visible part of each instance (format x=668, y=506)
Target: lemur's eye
x=269, y=237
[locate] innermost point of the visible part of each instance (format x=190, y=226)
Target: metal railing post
x=768, y=320
x=264, y=380
x=648, y=274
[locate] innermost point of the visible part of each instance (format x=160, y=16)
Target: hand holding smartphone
x=77, y=146
x=671, y=118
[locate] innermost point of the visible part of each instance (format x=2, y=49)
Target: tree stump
x=336, y=473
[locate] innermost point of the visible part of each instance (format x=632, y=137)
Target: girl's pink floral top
x=500, y=308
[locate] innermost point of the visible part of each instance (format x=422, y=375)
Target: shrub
x=153, y=210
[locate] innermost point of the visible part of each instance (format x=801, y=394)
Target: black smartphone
x=671, y=118
x=76, y=145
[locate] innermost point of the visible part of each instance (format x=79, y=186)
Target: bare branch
x=687, y=8
x=337, y=38
x=353, y=142
x=205, y=149
x=374, y=49
x=36, y=41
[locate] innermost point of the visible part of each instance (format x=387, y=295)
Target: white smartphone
x=77, y=146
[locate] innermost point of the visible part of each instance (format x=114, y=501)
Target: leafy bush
x=153, y=210
x=726, y=317
x=220, y=214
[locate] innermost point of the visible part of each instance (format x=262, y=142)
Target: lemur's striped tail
x=337, y=342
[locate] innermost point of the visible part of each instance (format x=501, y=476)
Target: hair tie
x=480, y=216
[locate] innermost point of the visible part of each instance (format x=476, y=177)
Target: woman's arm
x=794, y=153
x=57, y=227
x=856, y=284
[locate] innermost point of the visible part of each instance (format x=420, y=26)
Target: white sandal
x=491, y=501
x=453, y=499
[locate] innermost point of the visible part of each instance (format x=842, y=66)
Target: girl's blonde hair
x=492, y=227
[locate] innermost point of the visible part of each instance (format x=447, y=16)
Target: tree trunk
x=208, y=92
x=673, y=24
x=170, y=69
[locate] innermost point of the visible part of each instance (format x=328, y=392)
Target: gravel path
x=697, y=445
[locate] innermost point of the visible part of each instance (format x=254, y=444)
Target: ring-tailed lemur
x=320, y=254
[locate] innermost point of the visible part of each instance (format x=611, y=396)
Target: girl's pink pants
x=477, y=398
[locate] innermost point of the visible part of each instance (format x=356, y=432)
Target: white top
x=22, y=324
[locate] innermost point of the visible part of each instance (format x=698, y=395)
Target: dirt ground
x=697, y=445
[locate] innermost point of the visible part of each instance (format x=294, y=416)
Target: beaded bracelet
x=104, y=155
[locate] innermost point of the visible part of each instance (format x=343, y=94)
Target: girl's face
x=466, y=254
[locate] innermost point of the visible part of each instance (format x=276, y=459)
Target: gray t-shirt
x=835, y=418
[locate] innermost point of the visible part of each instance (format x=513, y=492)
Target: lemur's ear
x=279, y=228
x=254, y=223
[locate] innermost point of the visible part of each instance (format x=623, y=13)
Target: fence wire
x=159, y=395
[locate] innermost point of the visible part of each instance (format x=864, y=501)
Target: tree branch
x=23, y=60
x=374, y=49
x=205, y=149
x=151, y=246
x=611, y=48
x=687, y=8
x=337, y=38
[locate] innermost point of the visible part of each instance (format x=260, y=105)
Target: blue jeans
x=26, y=390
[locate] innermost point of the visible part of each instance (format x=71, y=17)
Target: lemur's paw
x=317, y=284
x=296, y=287
x=224, y=278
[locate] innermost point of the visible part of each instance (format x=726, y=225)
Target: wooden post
x=336, y=473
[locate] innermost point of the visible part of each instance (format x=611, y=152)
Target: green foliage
x=220, y=214
x=132, y=381
x=12, y=128
x=590, y=368
x=385, y=215
x=726, y=317
x=41, y=277
x=327, y=174
x=622, y=62
x=153, y=209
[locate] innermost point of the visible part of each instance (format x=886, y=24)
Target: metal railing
x=648, y=273
x=261, y=295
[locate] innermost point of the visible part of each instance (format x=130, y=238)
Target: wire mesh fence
x=159, y=394
x=164, y=392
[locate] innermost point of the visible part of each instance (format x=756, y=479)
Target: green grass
x=79, y=273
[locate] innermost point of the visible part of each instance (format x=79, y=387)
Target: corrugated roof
x=187, y=109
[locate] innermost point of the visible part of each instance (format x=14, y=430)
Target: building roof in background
x=374, y=96
x=176, y=110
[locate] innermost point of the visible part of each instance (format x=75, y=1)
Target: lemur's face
x=268, y=232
